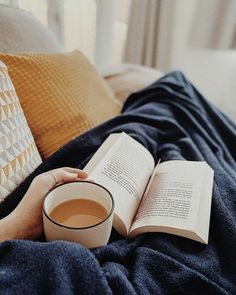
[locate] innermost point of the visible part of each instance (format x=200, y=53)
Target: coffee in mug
x=79, y=211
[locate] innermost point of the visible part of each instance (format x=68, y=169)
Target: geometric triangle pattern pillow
x=19, y=155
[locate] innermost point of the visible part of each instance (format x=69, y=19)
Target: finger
x=80, y=173
x=64, y=176
x=87, y=179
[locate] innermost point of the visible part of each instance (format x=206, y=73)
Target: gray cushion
x=21, y=32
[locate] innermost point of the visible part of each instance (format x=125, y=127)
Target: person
x=25, y=221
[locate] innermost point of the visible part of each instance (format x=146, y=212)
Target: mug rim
x=79, y=228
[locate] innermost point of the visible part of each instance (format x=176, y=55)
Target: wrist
x=8, y=228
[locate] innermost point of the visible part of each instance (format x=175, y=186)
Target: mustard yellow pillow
x=62, y=96
x=18, y=153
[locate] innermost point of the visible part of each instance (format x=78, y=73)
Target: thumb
x=64, y=176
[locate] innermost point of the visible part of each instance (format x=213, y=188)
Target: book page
x=124, y=170
x=173, y=198
x=101, y=153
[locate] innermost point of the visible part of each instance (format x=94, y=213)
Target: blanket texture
x=173, y=121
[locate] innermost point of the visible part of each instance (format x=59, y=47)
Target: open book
x=173, y=197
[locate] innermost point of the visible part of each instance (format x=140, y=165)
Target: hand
x=25, y=222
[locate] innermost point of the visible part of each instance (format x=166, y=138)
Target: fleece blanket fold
x=173, y=121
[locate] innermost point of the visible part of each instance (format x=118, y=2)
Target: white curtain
x=214, y=25
x=157, y=28
x=149, y=23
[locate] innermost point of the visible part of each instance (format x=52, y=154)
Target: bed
x=174, y=121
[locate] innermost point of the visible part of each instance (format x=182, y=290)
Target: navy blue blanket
x=174, y=121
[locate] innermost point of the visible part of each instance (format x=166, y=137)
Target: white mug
x=91, y=236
